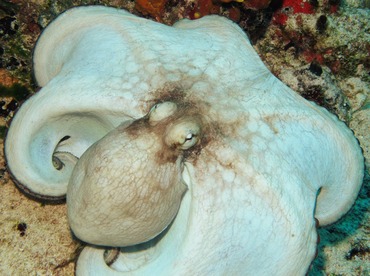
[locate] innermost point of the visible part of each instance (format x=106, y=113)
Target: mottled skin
x=263, y=164
x=138, y=183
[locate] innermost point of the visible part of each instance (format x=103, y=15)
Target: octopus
x=179, y=148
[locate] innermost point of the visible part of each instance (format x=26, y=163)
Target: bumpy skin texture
x=141, y=180
x=251, y=180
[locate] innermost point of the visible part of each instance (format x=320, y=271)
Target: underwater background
x=320, y=48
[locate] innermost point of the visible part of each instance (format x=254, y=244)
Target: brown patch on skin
x=269, y=120
x=183, y=97
x=171, y=153
x=136, y=128
x=215, y=130
x=187, y=110
x=169, y=93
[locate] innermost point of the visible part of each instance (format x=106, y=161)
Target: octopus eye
x=161, y=111
x=190, y=140
x=189, y=137
x=183, y=134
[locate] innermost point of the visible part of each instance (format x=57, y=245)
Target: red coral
x=203, y=8
x=154, y=8
x=234, y=14
x=333, y=8
x=280, y=18
x=333, y=5
x=256, y=4
x=289, y=7
x=299, y=6
x=310, y=56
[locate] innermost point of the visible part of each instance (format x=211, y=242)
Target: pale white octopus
x=179, y=147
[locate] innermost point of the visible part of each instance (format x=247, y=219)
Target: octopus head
x=128, y=186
